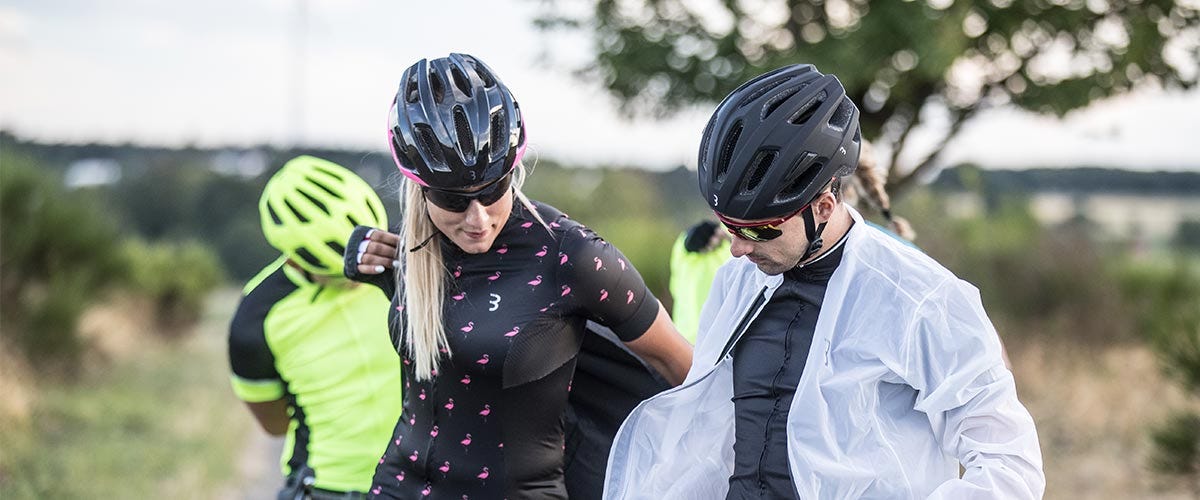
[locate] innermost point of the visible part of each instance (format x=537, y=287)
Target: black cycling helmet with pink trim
x=776, y=141
x=454, y=125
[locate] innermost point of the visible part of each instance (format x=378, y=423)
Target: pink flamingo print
x=555, y=224
x=565, y=290
x=466, y=441
x=562, y=258
x=412, y=420
x=445, y=468
x=421, y=396
x=494, y=277
x=501, y=445
x=487, y=410
x=535, y=281
x=470, y=326
x=599, y=263
x=457, y=271
x=400, y=308
x=433, y=373
x=449, y=404
x=628, y=296
x=513, y=332
x=466, y=380
x=428, y=489
x=503, y=249
x=397, y=442
x=414, y=456
x=407, y=361
x=527, y=225
x=376, y=490
x=483, y=360
x=433, y=432
x=603, y=295
x=622, y=263
x=483, y=474
x=542, y=253
x=399, y=478
x=460, y=296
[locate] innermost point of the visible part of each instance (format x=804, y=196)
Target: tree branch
x=899, y=186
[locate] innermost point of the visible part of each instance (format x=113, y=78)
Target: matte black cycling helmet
x=453, y=124
x=776, y=141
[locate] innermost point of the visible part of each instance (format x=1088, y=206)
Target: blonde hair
x=868, y=183
x=422, y=275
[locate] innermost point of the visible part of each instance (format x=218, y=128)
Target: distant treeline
x=1075, y=180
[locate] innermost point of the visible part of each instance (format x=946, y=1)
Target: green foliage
x=1177, y=447
x=176, y=277
x=895, y=58
x=1167, y=301
x=57, y=254
x=1187, y=236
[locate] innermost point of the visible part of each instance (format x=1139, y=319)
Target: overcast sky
x=222, y=72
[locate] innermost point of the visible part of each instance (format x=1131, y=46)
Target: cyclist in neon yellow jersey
x=309, y=349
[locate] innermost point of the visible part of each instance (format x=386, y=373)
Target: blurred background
x=1045, y=150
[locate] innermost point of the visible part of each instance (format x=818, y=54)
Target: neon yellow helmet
x=310, y=206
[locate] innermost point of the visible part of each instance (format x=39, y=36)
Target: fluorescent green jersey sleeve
x=691, y=277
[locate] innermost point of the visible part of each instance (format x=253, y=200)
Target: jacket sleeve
x=952, y=358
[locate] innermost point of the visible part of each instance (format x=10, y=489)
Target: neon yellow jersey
x=691, y=277
x=325, y=349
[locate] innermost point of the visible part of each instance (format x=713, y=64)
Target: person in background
x=309, y=348
x=833, y=361
x=490, y=296
x=695, y=257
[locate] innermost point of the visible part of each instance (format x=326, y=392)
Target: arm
x=954, y=361
x=664, y=349
x=272, y=416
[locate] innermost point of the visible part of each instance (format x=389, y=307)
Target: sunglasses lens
x=458, y=202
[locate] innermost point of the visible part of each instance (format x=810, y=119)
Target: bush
x=176, y=277
x=57, y=254
x=1177, y=448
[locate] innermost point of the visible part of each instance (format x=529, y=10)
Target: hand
x=377, y=252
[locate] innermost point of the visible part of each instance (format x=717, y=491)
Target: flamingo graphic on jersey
x=400, y=308
x=483, y=474
x=457, y=271
x=433, y=432
x=460, y=296
x=603, y=295
x=428, y=489
x=562, y=258
x=599, y=263
x=494, y=277
x=414, y=456
x=470, y=326
x=466, y=442
x=487, y=410
x=483, y=360
x=527, y=225
x=543, y=251
x=399, y=478
x=565, y=290
x=466, y=380
x=449, y=404
x=445, y=468
x=628, y=296
x=622, y=263
x=535, y=281
x=513, y=332
x=503, y=249
x=376, y=490
x=554, y=224
x=421, y=396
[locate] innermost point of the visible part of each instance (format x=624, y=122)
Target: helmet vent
x=295, y=212
x=429, y=144
x=314, y=201
x=497, y=140
x=727, y=150
x=336, y=247
x=438, y=87
x=841, y=118
x=777, y=100
x=857, y=135
x=762, y=161
x=309, y=258
x=324, y=188
x=761, y=91
x=330, y=173
x=466, y=140
x=489, y=81
x=808, y=110
x=412, y=93
x=460, y=80
x=811, y=165
x=350, y=219
x=371, y=207
x=274, y=216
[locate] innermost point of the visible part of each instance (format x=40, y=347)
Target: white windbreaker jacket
x=904, y=381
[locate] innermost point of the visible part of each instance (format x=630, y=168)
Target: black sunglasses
x=458, y=201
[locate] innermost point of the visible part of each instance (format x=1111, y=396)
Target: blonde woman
x=490, y=297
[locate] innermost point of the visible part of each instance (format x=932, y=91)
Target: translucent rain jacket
x=904, y=381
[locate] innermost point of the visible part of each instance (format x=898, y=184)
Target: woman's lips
x=475, y=235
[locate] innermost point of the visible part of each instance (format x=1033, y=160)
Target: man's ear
x=823, y=206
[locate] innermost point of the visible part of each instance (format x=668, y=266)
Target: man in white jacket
x=832, y=360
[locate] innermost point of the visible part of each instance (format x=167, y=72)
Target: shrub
x=176, y=277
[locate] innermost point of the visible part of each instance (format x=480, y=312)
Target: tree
x=904, y=62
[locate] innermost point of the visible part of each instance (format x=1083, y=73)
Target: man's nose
x=740, y=246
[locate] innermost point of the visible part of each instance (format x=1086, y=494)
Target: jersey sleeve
x=251, y=361
x=602, y=284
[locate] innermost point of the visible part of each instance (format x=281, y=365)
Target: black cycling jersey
x=767, y=363
x=489, y=424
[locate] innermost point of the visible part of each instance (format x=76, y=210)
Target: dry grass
x=1093, y=412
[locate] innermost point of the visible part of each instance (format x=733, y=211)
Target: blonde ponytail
x=869, y=187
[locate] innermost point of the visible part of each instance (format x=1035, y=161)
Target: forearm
x=664, y=349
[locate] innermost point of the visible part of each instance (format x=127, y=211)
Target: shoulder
x=885, y=263
x=260, y=298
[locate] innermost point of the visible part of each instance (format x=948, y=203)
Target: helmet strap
x=813, y=232
x=426, y=242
